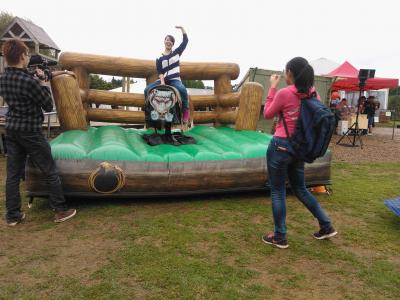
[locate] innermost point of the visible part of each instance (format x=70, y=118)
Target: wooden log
x=201, y=101
x=152, y=78
x=84, y=94
x=115, y=98
x=173, y=177
x=130, y=99
x=66, y=92
x=225, y=100
x=203, y=117
x=209, y=70
x=109, y=65
x=82, y=78
x=222, y=85
x=227, y=117
x=115, y=116
x=229, y=100
x=249, y=106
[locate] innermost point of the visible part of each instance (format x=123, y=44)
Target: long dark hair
x=303, y=74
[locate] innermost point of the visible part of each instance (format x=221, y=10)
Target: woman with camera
x=299, y=76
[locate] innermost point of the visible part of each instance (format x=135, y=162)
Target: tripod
x=354, y=127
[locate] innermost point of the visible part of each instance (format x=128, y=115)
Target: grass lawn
x=388, y=124
x=209, y=247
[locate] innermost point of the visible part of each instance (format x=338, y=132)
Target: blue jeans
x=281, y=165
x=20, y=144
x=176, y=84
x=371, y=121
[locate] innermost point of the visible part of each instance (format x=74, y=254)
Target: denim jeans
x=176, y=84
x=280, y=166
x=371, y=121
x=20, y=144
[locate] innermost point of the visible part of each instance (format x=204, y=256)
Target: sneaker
x=185, y=116
x=325, y=233
x=369, y=133
x=14, y=223
x=269, y=239
x=64, y=215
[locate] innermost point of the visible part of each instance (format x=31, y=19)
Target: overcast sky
x=263, y=34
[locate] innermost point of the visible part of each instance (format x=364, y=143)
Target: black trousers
x=20, y=144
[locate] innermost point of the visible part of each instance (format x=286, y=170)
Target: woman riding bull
x=169, y=71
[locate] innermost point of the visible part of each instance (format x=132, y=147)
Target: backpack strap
x=284, y=124
x=312, y=95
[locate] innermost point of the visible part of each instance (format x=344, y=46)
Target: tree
x=5, y=19
x=98, y=83
x=196, y=84
x=116, y=83
x=394, y=92
x=394, y=103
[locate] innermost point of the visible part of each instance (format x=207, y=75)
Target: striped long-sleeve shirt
x=168, y=65
x=25, y=98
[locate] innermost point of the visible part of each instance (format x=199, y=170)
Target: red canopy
x=347, y=80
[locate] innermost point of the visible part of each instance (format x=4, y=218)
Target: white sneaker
x=17, y=222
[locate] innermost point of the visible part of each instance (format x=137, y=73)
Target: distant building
x=322, y=84
x=34, y=37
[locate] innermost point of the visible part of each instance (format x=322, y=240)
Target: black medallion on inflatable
x=107, y=179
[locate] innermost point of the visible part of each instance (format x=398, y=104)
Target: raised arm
x=272, y=107
x=185, y=40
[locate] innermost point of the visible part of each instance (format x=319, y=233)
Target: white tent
x=323, y=65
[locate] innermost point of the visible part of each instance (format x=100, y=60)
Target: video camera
x=38, y=61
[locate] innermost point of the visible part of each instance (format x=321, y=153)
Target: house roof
x=28, y=32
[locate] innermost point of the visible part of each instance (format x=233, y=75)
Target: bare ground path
x=378, y=147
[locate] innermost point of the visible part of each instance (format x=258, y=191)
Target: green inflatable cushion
x=116, y=143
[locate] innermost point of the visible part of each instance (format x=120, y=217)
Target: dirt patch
x=378, y=147
x=207, y=248
x=63, y=250
x=73, y=250
x=258, y=220
x=306, y=279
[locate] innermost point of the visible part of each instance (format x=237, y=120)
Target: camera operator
x=37, y=63
x=26, y=96
x=370, y=107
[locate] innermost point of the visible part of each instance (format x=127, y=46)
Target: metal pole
x=48, y=125
x=356, y=133
x=394, y=123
